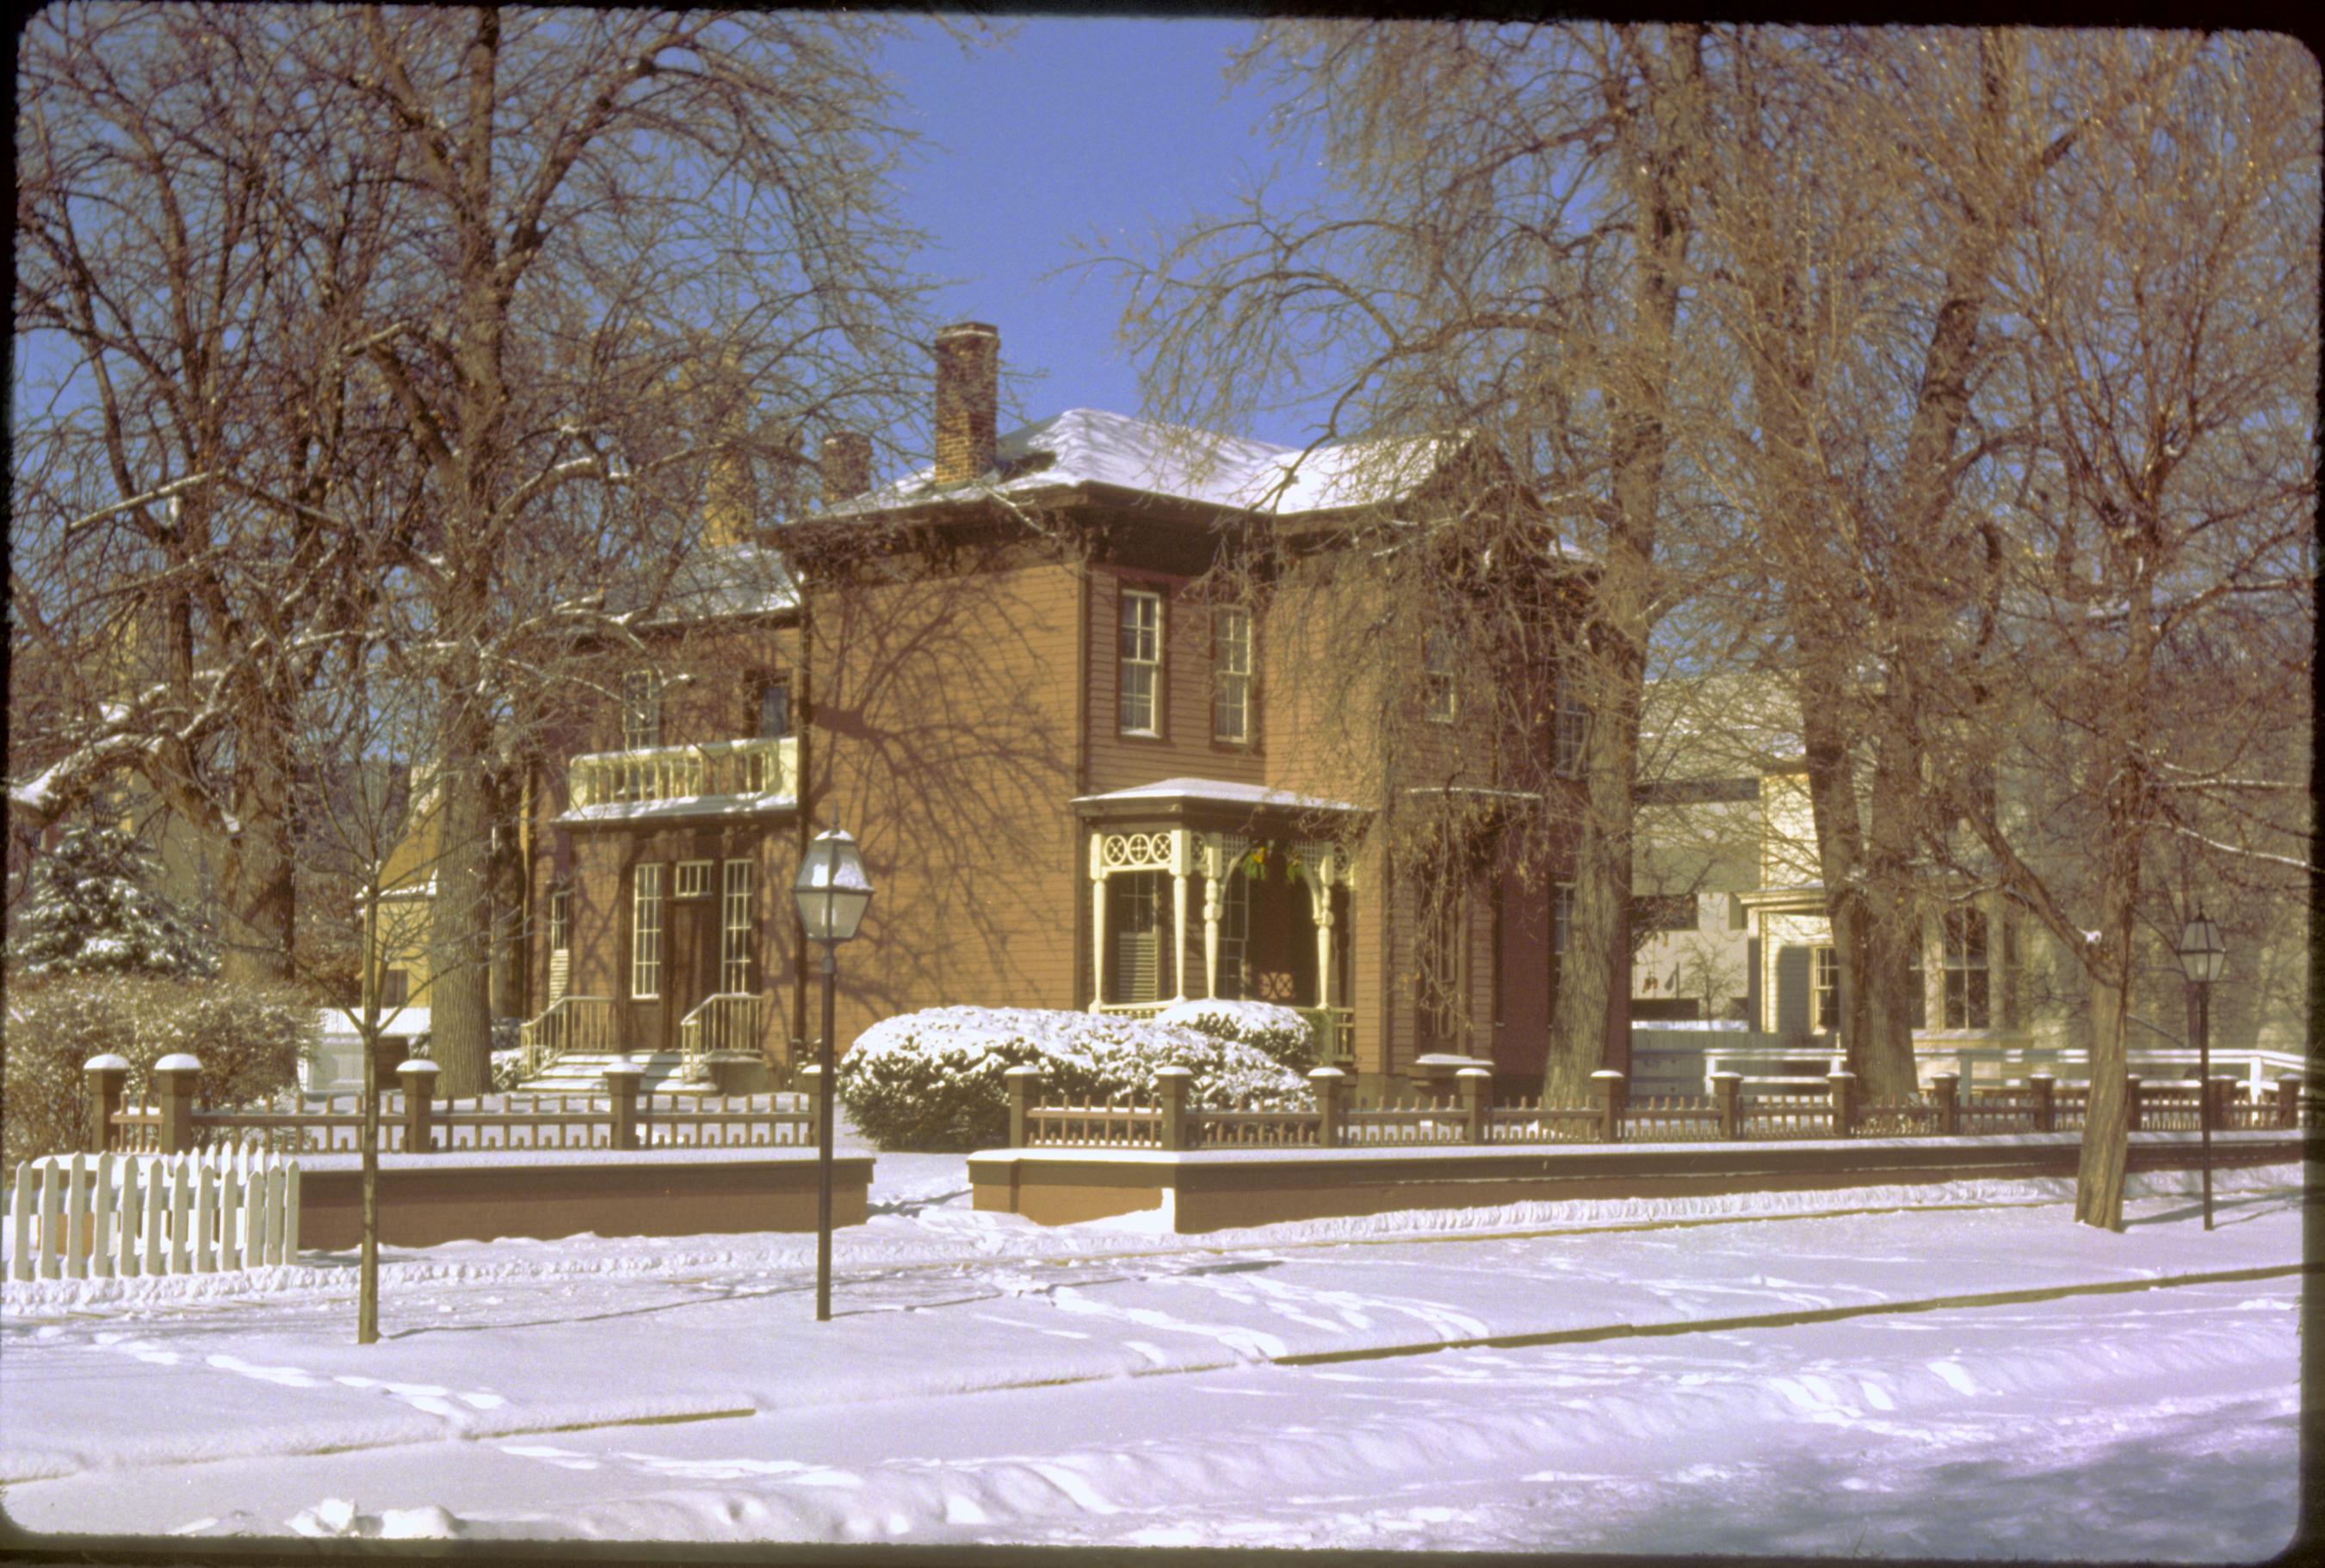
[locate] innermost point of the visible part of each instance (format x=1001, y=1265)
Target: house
x=1087, y=769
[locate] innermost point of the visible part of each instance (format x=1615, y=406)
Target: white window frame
x=645, y=931
x=738, y=932
x=1976, y=970
x=693, y=880
x=641, y=710
x=1824, y=987
x=1570, y=731
x=1562, y=923
x=1440, y=698
x=1231, y=675
x=1138, y=681
x=560, y=919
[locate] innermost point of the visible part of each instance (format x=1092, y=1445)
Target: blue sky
x=1072, y=127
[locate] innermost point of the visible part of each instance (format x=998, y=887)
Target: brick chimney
x=846, y=466
x=968, y=371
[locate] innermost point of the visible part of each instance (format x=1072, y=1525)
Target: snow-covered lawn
x=1827, y=1372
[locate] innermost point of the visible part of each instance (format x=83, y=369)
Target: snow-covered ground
x=1955, y=1371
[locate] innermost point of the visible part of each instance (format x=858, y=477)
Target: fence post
x=2131, y=1103
x=1022, y=1084
x=1842, y=1084
x=2040, y=1085
x=812, y=1076
x=1728, y=1092
x=418, y=1077
x=622, y=1092
x=1326, y=1081
x=1612, y=1091
x=1476, y=1086
x=1945, y=1093
x=2288, y=1100
x=1171, y=1085
x=106, y=1075
x=174, y=1076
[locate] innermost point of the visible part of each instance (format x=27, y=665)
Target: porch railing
x=1140, y=1009
x=737, y=768
x=726, y=1022
x=571, y=1023
x=1336, y=1034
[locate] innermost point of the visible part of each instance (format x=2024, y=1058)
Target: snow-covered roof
x=716, y=580
x=682, y=805
x=1219, y=791
x=1091, y=447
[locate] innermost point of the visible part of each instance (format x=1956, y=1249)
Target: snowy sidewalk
x=930, y=1300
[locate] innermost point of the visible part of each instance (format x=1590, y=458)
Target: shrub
x=249, y=1040
x=932, y=1080
x=1283, y=1034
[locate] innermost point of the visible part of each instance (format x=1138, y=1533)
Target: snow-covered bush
x=91, y=907
x=1283, y=1034
x=932, y=1080
x=249, y=1040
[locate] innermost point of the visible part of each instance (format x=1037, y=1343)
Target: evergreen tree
x=92, y=909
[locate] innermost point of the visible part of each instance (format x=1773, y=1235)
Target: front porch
x=1258, y=907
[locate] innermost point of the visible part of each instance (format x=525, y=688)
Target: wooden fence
x=171, y=1117
x=1335, y=1120
x=103, y=1215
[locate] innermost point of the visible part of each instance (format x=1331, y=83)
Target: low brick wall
x=1221, y=1189
x=427, y=1199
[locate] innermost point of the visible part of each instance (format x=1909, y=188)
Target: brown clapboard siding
x=944, y=739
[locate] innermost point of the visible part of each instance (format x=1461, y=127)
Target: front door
x=694, y=963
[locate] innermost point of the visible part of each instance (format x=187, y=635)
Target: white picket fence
x=106, y=1215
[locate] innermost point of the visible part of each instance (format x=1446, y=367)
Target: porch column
x=1097, y=923
x=1320, y=892
x=1213, y=885
x=1182, y=842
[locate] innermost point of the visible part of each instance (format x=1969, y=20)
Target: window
x=1561, y=922
x=1135, y=919
x=775, y=709
x=641, y=710
x=1231, y=675
x=1825, y=988
x=394, y=988
x=1663, y=912
x=693, y=879
x=560, y=919
x=1443, y=1005
x=645, y=933
x=1235, y=930
x=1573, y=726
x=735, y=932
x=1917, y=992
x=1141, y=680
x=1440, y=701
x=1966, y=989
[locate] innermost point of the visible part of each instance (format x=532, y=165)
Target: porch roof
x=1210, y=804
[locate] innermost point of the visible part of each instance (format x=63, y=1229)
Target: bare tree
x=2130, y=699
x=1499, y=265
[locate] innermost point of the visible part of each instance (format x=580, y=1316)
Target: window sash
x=1824, y=988
x=1141, y=674
x=775, y=709
x=1440, y=702
x=1231, y=675
x=1968, y=997
x=560, y=919
x=1572, y=730
x=641, y=710
x=737, y=946
x=693, y=879
x=1137, y=920
x=645, y=932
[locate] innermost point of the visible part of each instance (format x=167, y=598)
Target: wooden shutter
x=1794, y=977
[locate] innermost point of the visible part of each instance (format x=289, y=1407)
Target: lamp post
x=2202, y=957
x=832, y=893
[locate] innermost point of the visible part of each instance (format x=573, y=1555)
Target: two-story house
x=1086, y=768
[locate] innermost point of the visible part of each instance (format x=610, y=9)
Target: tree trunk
x=1881, y=1049
x=2099, y=1168
x=461, y=927
x=257, y=897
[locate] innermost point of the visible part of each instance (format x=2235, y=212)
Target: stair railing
x=569, y=1024
x=726, y=1020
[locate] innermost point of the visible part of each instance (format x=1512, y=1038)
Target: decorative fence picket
x=96, y=1216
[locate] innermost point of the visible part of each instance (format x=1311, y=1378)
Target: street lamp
x=832, y=893
x=2203, y=957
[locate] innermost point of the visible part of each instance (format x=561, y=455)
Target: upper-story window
x=1573, y=725
x=641, y=710
x=775, y=709
x=1966, y=997
x=1141, y=678
x=1231, y=675
x=1440, y=702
